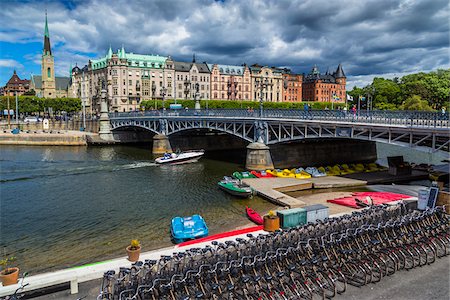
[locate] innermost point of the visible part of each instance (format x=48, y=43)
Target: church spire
x=47, y=48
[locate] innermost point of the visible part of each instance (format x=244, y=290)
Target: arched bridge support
x=161, y=144
x=258, y=157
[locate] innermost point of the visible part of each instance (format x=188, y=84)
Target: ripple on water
x=76, y=206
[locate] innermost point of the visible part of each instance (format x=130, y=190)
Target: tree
x=415, y=102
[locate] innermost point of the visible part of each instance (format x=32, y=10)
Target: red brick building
x=16, y=85
x=292, y=87
x=326, y=87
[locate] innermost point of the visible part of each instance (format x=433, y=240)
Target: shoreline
x=46, y=138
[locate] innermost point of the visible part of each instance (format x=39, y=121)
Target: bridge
x=426, y=131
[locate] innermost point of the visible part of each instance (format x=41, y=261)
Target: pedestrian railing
x=401, y=118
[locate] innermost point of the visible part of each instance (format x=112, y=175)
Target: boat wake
x=72, y=171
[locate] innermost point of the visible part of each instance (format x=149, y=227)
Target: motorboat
x=188, y=228
x=178, y=158
x=254, y=216
x=235, y=187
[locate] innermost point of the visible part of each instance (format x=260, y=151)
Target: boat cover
x=376, y=197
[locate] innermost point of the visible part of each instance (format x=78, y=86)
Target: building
x=324, y=87
x=292, y=87
x=273, y=92
x=230, y=82
x=129, y=78
x=15, y=85
x=48, y=85
x=188, y=75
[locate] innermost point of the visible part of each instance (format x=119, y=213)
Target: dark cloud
x=367, y=37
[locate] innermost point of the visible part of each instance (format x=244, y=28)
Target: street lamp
x=261, y=85
x=163, y=94
x=153, y=93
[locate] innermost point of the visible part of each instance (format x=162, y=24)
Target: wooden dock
x=273, y=189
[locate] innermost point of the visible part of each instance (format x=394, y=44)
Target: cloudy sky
x=370, y=38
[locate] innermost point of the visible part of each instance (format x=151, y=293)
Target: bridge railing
x=404, y=118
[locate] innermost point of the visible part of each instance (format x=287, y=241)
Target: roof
x=16, y=80
x=134, y=60
x=47, y=48
x=186, y=67
x=325, y=78
x=61, y=83
x=229, y=70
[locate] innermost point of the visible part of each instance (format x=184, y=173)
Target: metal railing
x=421, y=119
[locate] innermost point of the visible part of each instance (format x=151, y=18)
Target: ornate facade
x=292, y=87
x=230, y=82
x=129, y=78
x=273, y=93
x=187, y=76
x=325, y=87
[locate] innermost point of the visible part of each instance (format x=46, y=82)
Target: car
x=31, y=119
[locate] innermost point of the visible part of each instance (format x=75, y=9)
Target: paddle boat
x=235, y=187
x=358, y=168
x=314, y=172
x=188, y=228
x=262, y=174
x=332, y=171
x=243, y=175
x=300, y=173
x=254, y=216
x=179, y=158
x=345, y=169
x=282, y=173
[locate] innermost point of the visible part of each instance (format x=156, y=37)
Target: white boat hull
x=182, y=158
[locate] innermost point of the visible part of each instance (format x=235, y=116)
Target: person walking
x=354, y=111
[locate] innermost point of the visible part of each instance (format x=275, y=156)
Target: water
x=67, y=206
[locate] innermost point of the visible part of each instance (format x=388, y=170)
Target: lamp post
x=153, y=94
x=17, y=111
x=261, y=85
x=163, y=94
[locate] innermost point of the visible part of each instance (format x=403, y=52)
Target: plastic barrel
x=422, y=199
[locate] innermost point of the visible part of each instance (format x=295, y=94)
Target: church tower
x=48, y=67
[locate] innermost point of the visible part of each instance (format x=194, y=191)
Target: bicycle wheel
x=340, y=282
x=355, y=274
x=301, y=290
x=315, y=289
x=430, y=251
x=439, y=247
x=327, y=284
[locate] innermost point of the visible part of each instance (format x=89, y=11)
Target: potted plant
x=8, y=275
x=271, y=221
x=134, y=250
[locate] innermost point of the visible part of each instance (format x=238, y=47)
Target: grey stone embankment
x=46, y=138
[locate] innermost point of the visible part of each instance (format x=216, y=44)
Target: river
x=67, y=206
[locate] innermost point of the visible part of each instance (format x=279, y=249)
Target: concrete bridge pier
x=105, y=123
x=161, y=144
x=258, y=157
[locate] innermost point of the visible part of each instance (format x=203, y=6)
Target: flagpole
x=359, y=102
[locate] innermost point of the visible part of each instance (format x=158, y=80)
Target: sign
x=432, y=196
x=175, y=106
x=343, y=131
x=45, y=124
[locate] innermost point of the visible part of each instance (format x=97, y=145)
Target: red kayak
x=262, y=174
x=254, y=216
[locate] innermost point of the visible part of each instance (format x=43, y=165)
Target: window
x=130, y=73
x=130, y=82
x=137, y=73
x=115, y=91
x=49, y=73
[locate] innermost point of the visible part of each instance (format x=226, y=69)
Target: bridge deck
x=273, y=189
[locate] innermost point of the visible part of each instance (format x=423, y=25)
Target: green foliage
x=415, y=103
x=30, y=104
x=5, y=263
x=432, y=88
